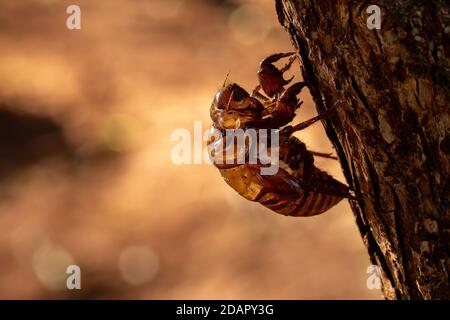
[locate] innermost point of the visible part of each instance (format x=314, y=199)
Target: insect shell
x=298, y=188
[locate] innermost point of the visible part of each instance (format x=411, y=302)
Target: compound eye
x=240, y=99
x=218, y=98
x=232, y=97
x=222, y=98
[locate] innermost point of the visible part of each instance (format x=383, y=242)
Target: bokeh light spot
x=120, y=132
x=50, y=262
x=249, y=24
x=138, y=265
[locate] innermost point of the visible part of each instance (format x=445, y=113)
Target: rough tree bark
x=391, y=128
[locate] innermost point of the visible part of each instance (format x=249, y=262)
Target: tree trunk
x=390, y=88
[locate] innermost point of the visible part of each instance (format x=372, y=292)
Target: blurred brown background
x=86, y=176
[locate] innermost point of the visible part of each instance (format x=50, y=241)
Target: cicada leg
x=270, y=77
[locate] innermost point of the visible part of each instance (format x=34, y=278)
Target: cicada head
x=233, y=107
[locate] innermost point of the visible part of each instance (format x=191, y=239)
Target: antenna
x=226, y=78
x=229, y=100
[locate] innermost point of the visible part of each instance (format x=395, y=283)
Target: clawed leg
x=289, y=97
x=323, y=155
x=303, y=125
x=288, y=64
x=281, y=111
x=276, y=56
x=270, y=77
x=307, y=123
